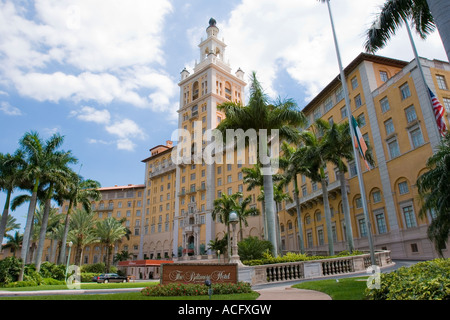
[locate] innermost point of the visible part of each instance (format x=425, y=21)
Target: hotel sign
x=199, y=273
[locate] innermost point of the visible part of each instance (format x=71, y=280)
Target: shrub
x=52, y=282
x=182, y=289
x=87, y=276
x=97, y=268
x=9, y=270
x=50, y=270
x=423, y=281
x=253, y=248
x=21, y=284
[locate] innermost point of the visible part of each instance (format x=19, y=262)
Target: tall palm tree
x=78, y=192
x=340, y=149
x=56, y=176
x=313, y=154
x=14, y=242
x=243, y=212
x=82, y=226
x=221, y=212
x=11, y=172
x=425, y=15
x=38, y=155
x=109, y=231
x=292, y=169
x=259, y=114
x=433, y=187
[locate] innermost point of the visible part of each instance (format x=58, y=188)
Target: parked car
x=109, y=277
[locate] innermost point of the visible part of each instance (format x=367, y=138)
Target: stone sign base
x=199, y=273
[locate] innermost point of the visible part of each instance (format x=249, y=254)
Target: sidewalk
x=289, y=293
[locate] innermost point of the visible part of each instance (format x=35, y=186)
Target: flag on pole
x=438, y=113
x=359, y=141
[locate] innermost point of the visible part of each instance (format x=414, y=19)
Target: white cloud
x=92, y=115
x=9, y=110
x=86, y=51
x=265, y=36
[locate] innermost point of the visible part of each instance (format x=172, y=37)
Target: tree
x=222, y=208
x=109, y=231
x=425, y=15
x=78, y=191
x=14, y=242
x=11, y=172
x=260, y=115
x=292, y=168
x=244, y=212
x=82, y=231
x=38, y=155
x=279, y=196
x=313, y=154
x=433, y=187
x=122, y=256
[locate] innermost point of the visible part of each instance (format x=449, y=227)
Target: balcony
x=160, y=170
x=315, y=197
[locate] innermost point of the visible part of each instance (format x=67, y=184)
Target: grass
x=345, y=289
x=85, y=286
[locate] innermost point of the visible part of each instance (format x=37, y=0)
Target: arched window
x=195, y=87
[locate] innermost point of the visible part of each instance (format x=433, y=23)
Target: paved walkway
x=289, y=293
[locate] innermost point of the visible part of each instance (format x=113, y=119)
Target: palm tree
x=82, y=226
x=222, y=208
x=11, y=167
x=78, y=191
x=425, y=15
x=279, y=196
x=56, y=176
x=14, y=242
x=340, y=148
x=109, y=231
x=38, y=157
x=260, y=115
x=313, y=154
x=433, y=187
x=243, y=213
x=291, y=169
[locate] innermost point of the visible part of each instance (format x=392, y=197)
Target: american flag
x=438, y=113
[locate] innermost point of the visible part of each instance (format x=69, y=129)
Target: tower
x=211, y=84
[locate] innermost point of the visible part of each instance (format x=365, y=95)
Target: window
x=404, y=90
x=403, y=187
x=362, y=227
x=353, y=170
x=447, y=104
x=442, y=84
x=389, y=126
x=344, y=112
x=361, y=120
x=354, y=83
x=339, y=94
x=416, y=137
x=381, y=222
x=358, y=101
x=317, y=113
x=304, y=192
x=410, y=218
x=384, y=76
x=328, y=104
x=320, y=237
x=358, y=203
x=394, y=150
x=384, y=104
x=410, y=114
x=376, y=196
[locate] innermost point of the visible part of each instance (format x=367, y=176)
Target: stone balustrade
x=292, y=271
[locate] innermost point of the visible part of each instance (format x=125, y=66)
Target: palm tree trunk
x=62, y=252
x=28, y=226
x=326, y=206
x=346, y=209
x=5, y=217
x=43, y=230
x=440, y=9
x=299, y=217
x=270, y=215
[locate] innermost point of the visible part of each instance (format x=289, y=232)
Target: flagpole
x=355, y=151
x=422, y=74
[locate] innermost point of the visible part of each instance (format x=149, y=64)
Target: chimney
x=169, y=144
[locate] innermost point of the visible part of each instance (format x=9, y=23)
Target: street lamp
x=68, y=257
x=234, y=219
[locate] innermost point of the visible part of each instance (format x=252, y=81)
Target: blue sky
x=105, y=73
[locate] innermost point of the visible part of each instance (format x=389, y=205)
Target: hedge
x=182, y=289
x=428, y=280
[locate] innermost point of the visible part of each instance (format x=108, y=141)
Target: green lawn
x=345, y=289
